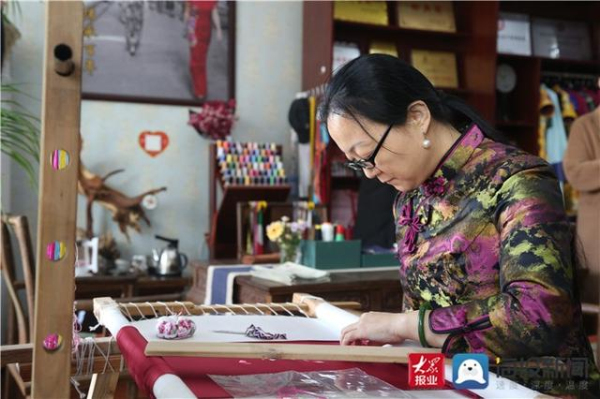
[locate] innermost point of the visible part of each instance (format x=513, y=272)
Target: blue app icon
x=470, y=371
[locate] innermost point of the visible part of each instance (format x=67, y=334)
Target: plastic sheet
x=350, y=383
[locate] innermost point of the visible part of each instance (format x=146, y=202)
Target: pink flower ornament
x=175, y=327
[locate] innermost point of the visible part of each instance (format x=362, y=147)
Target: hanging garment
x=546, y=109
x=566, y=106
x=556, y=137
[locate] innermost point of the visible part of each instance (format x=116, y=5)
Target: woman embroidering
x=484, y=245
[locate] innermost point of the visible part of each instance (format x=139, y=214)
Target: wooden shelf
x=557, y=64
x=515, y=57
x=567, y=65
x=397, y=31
x=254, y=187
x=515, y=124
x=222, y=239
x=475, y=46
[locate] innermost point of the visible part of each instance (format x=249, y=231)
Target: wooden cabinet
x=223, y=237
x=523, y=102
x=474, y=44
x=374, y=290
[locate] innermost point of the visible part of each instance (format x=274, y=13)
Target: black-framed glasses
x=369, y=163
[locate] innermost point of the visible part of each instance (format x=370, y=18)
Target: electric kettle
x=169, y=261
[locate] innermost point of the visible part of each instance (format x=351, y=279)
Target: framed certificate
x=368, y=12
x=437, y=66
x=377, y=47
x=427, y=15
x=514, y=34
x=561, y=39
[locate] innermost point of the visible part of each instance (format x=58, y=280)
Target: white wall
x=268, y=74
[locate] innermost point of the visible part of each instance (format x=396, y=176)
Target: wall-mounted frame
x=141, y=51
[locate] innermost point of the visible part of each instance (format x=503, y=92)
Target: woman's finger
x=349, y=327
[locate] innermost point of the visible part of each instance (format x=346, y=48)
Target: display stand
x=274, y=211
x=222, y=239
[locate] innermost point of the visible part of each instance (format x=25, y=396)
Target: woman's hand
x=383, y=328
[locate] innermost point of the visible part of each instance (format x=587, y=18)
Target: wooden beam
x=160, y=308
x=284, y=351
x=55, y=283
x=57, y=212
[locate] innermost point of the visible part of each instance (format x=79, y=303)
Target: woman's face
x=401, y=162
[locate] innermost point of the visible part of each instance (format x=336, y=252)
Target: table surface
x=374, y=289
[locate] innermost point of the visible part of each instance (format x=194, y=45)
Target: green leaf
x=20, y=132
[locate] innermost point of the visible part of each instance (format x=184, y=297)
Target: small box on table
x=331, y=254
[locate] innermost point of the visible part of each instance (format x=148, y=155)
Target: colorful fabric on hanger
x=546, y=109
x=556, y=137
x=566, y=106
x=582, y=106
x=595, y=96
x=592, y=98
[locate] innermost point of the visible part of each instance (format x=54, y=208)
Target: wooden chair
x=20, y=317
x=18, y=313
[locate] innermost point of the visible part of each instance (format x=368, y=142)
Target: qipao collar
x=452, y=162
x=416, y=217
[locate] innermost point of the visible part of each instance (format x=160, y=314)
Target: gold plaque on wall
x=368, y=12
x=378, y=47
x=437, y=66
x=427, y=15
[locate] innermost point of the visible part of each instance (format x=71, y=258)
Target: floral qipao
x=486, y=242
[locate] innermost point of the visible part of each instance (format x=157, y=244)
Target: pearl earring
x=426, y=142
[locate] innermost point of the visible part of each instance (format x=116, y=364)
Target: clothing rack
x=589, y=81
x=569, y=75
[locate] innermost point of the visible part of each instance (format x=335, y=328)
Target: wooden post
x=57, y=211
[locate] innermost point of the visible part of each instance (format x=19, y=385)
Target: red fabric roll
x=194, y=371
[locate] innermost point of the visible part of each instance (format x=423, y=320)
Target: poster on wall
x=161, y=52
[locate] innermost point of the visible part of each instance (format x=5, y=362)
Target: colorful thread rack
x=250, y=164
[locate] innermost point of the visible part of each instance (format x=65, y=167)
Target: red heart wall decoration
x=153, y=143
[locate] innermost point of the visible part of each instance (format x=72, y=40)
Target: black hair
x=380, y=87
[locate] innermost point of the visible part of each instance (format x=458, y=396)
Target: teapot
x=169, y=261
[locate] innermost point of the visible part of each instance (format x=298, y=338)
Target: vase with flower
x=287, y=235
